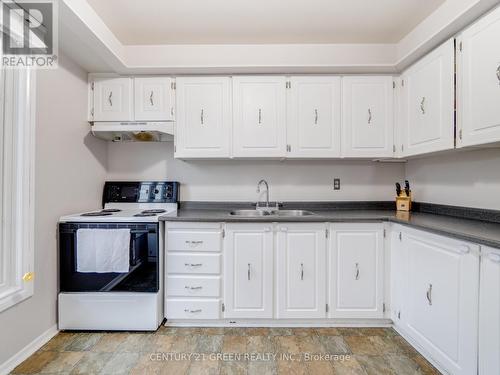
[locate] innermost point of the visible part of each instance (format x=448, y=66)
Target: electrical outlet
x=336, y=184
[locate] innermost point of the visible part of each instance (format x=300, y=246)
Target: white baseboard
x=28, y=350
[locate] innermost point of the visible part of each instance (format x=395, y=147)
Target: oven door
x=143, y=275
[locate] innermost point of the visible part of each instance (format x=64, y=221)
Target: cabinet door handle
x=110, y=98
x=193, y=264
x=494, y=257
x=315, y=117
x=422, y=108
x=202, y=119
x=302, y=271
x=369, y=116
x=194, y=242
x=248, y=273
x=498, y=74
x=151, y=98
x=260, y=116
x=356, y=276
x=192, y=311
x=429, y=295
x=193, y=287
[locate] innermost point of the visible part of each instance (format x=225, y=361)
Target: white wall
x=70, y=171
x=236, y=180
x=460, y=178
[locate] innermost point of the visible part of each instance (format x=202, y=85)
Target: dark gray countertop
x=480, y=232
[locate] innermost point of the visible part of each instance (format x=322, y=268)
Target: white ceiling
x=261, y=21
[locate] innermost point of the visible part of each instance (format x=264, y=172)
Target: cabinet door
x=428, y=103
x=313, y=117
x=398, y=275
x=442, y=299
x=356, y=270
x=248, y=271
x=153, y=99
x=301, y=271
x=367, y=116
x=489, y=313
x=113, y=99
x=478, y=91
x=259, y=116
x=203, y=127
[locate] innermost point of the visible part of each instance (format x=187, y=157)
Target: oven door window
x=143, y=259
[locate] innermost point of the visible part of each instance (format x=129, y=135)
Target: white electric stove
x=130, y=300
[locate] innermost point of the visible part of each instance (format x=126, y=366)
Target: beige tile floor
x=353, y=351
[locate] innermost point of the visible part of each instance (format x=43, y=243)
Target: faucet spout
x=264, y=182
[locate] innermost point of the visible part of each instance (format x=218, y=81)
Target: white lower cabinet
x=248, y=270
x=301, y=270
x=489, y=312
x=440, y=309
x=193, y=271
x=356, y=261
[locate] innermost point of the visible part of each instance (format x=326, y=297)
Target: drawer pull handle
x=315, y=117
x=357, y=272
x=429, y=295
x=248, y=272
x=192, y=311
x=301, y=271
x=464, y=249
x=193, y=264
x=193, y=287
x=369, y=116
x=151, y=98
x=494, y=257
x=110, y=100
x=498, y=74
x=194, y=242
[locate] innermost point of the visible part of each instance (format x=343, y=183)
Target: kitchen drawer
x=192, y=308
x=193, y=263
x=194, y=240
x=186, y=286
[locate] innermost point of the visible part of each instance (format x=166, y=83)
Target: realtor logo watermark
x=29, y=34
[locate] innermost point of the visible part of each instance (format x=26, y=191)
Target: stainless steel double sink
x=277, y=213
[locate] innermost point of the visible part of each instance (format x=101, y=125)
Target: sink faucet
x=267, y=192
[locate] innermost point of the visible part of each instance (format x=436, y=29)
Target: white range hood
x=133, y=131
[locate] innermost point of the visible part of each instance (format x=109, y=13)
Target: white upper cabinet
x=259, y=116
x=427, y=103
x=313, y=117
x=489, y=312
x=248, y=270
x=441, y=309
x=356, y=281
x=301, y=270
x=367, y=116
x=153, y=99
x=203, y=127
x=478, y=78
x=112, y=99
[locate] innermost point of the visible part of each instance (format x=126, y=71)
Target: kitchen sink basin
x=294, y=213
x=249, y=213
x=260, y=213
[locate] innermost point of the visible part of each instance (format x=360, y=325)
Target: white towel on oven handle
x=103, y=250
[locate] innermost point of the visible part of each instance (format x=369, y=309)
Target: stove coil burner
x=144, y=214
x=154, y=211
x=98, y=213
